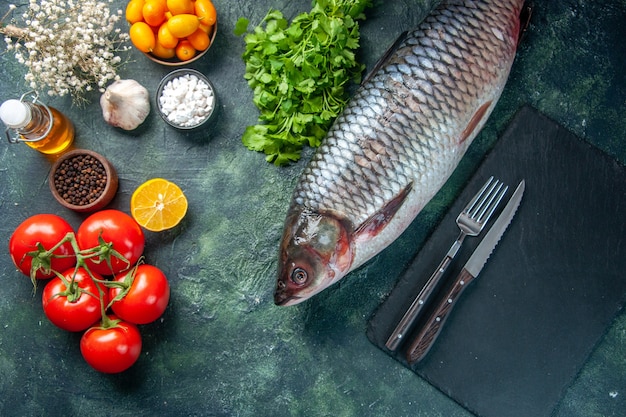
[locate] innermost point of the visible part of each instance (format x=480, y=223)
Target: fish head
x=315, y=252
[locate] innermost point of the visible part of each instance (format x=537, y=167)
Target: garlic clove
x=125, y=104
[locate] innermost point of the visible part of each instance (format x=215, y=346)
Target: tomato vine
x=69, y=298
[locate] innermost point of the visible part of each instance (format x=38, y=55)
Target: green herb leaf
x=241, y=26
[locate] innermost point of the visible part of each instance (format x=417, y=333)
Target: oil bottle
x=39, y=126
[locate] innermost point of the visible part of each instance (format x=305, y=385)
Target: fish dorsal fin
x=525, y=15
x=377, y=222
x=474, y=121
x=383, y=59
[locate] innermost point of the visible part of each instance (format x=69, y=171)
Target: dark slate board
x=522, y=331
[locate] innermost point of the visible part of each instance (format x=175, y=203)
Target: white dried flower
x=69, y=47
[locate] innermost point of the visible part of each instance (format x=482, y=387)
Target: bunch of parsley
x=300, y=73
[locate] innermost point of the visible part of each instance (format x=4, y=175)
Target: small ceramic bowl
x=186, y=99
x=175, y=61
x=83, y=181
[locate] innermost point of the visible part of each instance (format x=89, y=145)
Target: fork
x=471, y=222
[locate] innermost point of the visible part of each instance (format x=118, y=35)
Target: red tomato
x=117, y=228
x=146, y=298
x=75, y=308
x=47, y=230
x=111, y=350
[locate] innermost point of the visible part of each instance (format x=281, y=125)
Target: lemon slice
x=158, y=205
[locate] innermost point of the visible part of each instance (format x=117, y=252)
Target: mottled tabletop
x=223, y=348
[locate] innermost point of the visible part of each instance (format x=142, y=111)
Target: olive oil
x=41, y=127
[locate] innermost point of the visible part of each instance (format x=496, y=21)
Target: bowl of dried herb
x=83, y=180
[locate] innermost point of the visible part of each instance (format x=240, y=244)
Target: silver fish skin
x=396, y=143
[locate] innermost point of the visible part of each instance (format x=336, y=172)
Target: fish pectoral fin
x=377, y=222
x=383, y=59
x=474, y=122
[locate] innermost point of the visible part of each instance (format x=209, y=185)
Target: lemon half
x=158, y=204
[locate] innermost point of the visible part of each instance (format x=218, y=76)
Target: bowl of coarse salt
x=186, y=99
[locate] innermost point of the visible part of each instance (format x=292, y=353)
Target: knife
x=428, y=334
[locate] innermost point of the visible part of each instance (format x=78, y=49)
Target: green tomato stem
x=102, y=252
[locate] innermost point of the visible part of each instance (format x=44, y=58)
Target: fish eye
x=299, y=276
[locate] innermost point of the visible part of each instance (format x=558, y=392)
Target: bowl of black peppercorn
x=83, y=180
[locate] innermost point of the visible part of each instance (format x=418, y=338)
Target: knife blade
x=427, y=336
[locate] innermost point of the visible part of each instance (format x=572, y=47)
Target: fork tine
x=487, y=201
x=478, y=196
x=493, y=204
x=482, y=198
x=481, y=203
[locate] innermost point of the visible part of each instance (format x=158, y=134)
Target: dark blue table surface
x=222, y=348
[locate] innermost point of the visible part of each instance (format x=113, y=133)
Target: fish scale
x=397, y=142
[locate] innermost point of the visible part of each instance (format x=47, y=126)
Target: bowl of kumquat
x=172, y=32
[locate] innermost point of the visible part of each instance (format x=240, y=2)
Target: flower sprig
x=69, y=46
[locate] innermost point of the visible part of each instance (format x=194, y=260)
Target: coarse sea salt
x=187, y=100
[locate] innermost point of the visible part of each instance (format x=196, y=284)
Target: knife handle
x=428, y=334
x=417, y=306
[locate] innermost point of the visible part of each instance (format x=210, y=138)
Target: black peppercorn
x=80, y=180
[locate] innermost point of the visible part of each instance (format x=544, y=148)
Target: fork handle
x=428, y=334
x=418, y=304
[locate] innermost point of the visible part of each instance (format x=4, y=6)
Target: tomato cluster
x=171, y=28
x=98, y=281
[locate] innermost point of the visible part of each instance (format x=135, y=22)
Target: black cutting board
x=522, y=331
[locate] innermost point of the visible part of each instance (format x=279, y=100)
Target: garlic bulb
x=125, y=104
